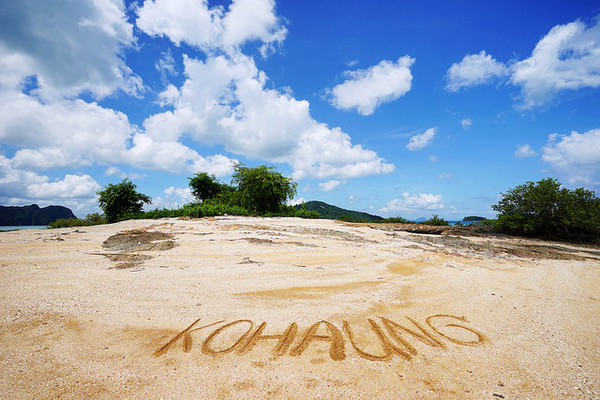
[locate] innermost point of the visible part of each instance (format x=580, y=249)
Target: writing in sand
x=386, y=339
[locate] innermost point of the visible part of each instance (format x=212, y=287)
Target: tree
x=545, y=209
x=118, y=200
x=262, y=189
x=204, y=186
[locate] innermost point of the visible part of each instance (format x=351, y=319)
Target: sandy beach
x=237, y=307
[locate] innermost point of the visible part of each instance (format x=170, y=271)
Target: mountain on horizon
x=328, y=211
x=32, y=215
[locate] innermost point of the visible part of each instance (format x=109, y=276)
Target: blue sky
x=397, y=108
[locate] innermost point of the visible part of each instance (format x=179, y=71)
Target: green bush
x=89, y=220
x=436, y=221
x=545, y=209
x=396, y=220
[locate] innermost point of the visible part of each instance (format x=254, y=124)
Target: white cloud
x=166, y=65
x=365, y=90
x=210, y=29
x=466, y=123
x=115, y=171
x=22, y=185
x=525, y=151
x=433, y=159
x=224, y=102
x=37, y=40
x=567, y=58
x=72, y=186
x=297, y=201
x=576, y=157
x=169, y=96
x=61, y=134
x=421, y=202
x=474, y=69
x=419, y=142
x=173, y=198
x=329, y=185
x=445, y=176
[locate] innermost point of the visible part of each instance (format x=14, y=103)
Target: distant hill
x=327, y=211
x=32, y=215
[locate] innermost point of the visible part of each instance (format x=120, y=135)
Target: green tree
x=262, y=189
x=121, y=199
x=546, y=209
x=204, y=186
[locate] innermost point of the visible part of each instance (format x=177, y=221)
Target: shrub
x=396, y=220
x=545, y=209
x=89, y=220
x=436, y=220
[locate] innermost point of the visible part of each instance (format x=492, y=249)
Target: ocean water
x=18, y=228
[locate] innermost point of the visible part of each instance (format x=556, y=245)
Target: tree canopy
x=204, y=186
x=121, y=199
x=546, y=209
x=262, y=189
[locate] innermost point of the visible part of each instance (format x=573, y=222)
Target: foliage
x=396, y=220
x=262, y=189
x=121, y=199
x=89, y=220
x=545, y=209
x=350, y=218
x=204, y=186
x=436, y=221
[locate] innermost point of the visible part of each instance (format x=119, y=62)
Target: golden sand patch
x=304, y=292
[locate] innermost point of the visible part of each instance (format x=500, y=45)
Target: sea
x=18, y=228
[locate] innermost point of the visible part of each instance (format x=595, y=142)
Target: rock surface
x=237, y=307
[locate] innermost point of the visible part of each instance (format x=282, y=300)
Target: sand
x=237, y=307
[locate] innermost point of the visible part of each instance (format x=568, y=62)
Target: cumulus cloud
x=576, y=157
x=224, y=102
x=367, y=89
x=329, y=185
x=466, y=123
x=37, y=40
x=525, y=151
x=21, y=185
x=173, y=198
x=298, y=201
x=213, y=28
x=566, y=58
x=419, y=142
x=416, y=202
x=474, y=69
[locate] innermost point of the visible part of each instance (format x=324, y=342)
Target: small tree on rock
x=121, y=199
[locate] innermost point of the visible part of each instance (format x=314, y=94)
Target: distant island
x=32, y=215
x=473, y=218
